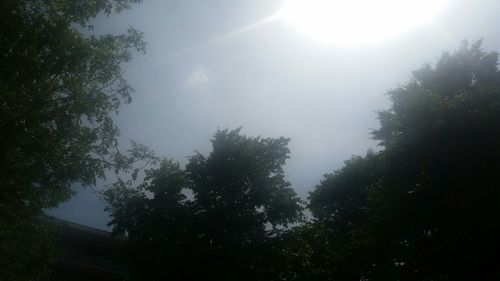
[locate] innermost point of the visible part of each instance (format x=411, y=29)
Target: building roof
x=87, y=250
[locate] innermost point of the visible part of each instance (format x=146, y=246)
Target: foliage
x=156, y=218
x=237, y=196
x=28, y=251
x=428, y=208
x=347, y=205
x=425, y=207
x=60, y=86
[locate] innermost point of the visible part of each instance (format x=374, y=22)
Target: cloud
x=198, y=78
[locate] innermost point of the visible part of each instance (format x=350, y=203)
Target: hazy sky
x=209, y=65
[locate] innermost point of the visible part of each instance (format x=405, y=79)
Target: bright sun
x=358, y=22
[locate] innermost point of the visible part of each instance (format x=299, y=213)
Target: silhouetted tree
x=346, y=207
x=297, y=254
x=237, y=198
x=158, y=220
x=429, y=207
x=59, y=89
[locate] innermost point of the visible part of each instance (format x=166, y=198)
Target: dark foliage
x=426, y=207
x=59, y=89
x=236, y=199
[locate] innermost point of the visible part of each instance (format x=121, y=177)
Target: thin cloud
x=198, y=78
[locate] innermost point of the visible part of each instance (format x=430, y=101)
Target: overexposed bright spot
x=358, y=22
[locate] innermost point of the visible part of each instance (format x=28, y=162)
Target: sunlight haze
x=345, y=23
x=317, y=73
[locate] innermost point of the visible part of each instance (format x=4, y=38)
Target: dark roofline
x=87, y=250
x=80, y=227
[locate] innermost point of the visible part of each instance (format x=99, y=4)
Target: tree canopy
x=424, y=207
x=60, y=86
x=59, y=89
x=427, y=205
x=211, y=219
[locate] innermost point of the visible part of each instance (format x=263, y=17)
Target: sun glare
x=358, y=22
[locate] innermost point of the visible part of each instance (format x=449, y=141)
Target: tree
x=441, y=133
x=239, y=189
x=346, y=207
x=157, y=218
x=433, y=213
x=238, y=196
x=28, y=251
x=60, y=86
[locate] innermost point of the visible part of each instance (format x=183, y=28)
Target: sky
x=229, y=63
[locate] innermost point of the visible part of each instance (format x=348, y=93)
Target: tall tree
x=434, y=212
x=59, y=89
x=238, y=195
x=442, y=137
x=239, y=189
